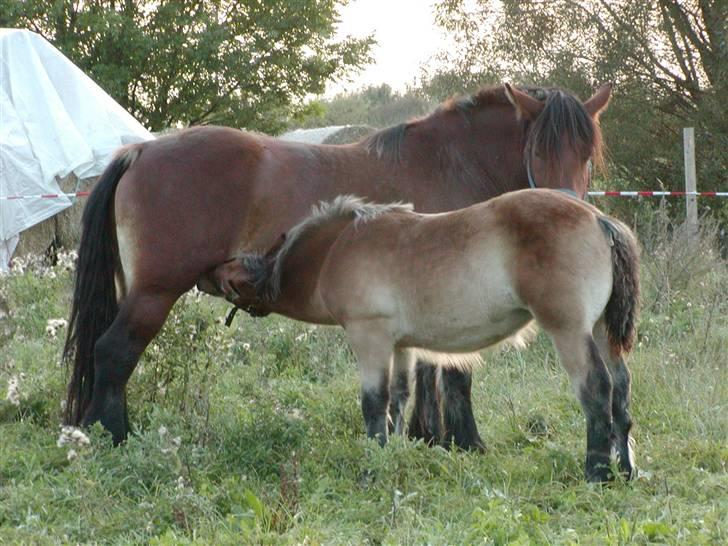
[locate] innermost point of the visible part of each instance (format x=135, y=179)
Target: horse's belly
x=465, y=332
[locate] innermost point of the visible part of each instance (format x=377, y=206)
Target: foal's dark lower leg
x=621, y=395
x=374, y=402
x=458, y=418
x=596, y=400
x=426, y=419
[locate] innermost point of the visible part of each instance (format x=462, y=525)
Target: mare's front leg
x=373, y=347
x=593, y=385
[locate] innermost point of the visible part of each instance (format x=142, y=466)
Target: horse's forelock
x=563, y=115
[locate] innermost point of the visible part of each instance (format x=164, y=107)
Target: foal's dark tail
x=94, y=295
x=623, y=305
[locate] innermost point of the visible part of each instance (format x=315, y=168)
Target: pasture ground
x=253, y=434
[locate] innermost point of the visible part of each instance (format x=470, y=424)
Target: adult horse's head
x=563, y=138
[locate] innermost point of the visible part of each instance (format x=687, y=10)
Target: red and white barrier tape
x=44, y=196
x=591, y=194
x=658, y=193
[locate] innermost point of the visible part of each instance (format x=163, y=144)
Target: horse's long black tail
x=623, y=305
x=94, y=295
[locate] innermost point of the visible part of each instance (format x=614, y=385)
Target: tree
x=378, y=106
x=180, y=62
x=668, y=59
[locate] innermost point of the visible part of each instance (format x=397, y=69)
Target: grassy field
x=253, y=434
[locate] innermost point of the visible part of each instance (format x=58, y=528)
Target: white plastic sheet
x=54, y=120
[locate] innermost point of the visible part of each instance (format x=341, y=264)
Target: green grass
x=253, y=435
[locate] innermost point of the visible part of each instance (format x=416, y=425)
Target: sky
x=406, y=34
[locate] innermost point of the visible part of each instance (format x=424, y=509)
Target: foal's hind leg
x=399, y=389
x=621, y=395
x=374, y=350
x=116, y=354
x=593, y=385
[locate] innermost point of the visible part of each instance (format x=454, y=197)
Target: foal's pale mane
x=341, y=207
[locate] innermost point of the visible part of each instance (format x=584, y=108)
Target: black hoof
x=117, y=427
x=599, y=469
x=474, y=444
x=416, y=431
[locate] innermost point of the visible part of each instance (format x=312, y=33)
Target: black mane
x=563, y=114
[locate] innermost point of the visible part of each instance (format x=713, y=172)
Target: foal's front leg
x=373, y=348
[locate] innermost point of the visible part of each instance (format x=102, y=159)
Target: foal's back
x=461, y=281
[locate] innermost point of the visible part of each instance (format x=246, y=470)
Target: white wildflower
x=246, y=346
x=53, y=325
x=67, y=260
x=72, y=454
x=72, y=436
x=162, y=431
x=181, y=484
x=13, y=395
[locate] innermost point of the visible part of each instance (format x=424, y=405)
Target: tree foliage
x=179, y=62
x=668, y=59
x=376, y=105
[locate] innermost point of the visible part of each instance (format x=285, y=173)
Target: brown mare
x=441, y=286
x=168, y=211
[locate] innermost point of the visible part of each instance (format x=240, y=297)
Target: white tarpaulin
x=54, y=121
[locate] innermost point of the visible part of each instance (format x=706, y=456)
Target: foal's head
x=563, y=137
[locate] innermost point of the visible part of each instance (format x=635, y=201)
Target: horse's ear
x=525, y=104
x=599, y=100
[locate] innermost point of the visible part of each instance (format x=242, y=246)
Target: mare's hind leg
x=116, y=354
x=621, y=395
x=399, y=389
x=455, y=422
x=426, y=419
x=458, y=418
x=593, y=386
x=373, y=348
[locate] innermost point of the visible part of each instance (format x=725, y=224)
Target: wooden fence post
x=691, y=201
